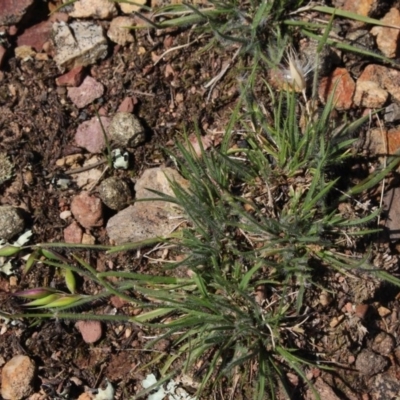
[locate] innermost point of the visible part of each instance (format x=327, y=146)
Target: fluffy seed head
x=297, y=71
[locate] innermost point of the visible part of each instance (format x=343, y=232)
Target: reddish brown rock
x=91, y=331
x=71, y=78
x=73, y=233
x=387, y=39
x=12, y=11
x=86, y=93
x=36, y=36
x=87, y=210
x=361, y=310
x=117, y=302
x=343, y=84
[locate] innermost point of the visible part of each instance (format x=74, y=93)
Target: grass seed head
x=297, y=69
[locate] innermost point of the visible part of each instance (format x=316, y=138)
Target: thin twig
x=182, y=46
x=211, y=84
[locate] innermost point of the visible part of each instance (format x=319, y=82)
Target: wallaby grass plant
x=262, y=222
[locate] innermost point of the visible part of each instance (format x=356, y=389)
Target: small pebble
x=361, y=310
x=65, y=214
x=383, y=311
x=16, y=378
x=126, y=130
x=87, y=210
x=370, y=363
x=114, y=193
x=91, y=331
x=383, y=344
x=11, y=222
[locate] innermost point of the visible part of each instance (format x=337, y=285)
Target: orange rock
x=385, y=78
x=361, y=7
x=343, y=84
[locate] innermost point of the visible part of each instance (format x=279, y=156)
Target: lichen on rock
x=6, y=168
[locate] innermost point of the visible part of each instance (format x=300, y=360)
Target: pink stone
x=91, y=331
x=73, y=233
x=127, y=105
x=86, y=93
x=12, y=30
x=36, y=36
x=87, y=210
x=71, y=78
x=90, y=135
x=342, y=83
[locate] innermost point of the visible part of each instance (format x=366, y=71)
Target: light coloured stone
x=118, y=31
x=126, y=130
x=97, y=9
x=369, y=94
x=24, y=53
x=392, y=112
x=387, y=39
x=79, y=43
x=127, y=8
x=16, y=378
x=149, y=219
x=87, y=179
x=11, y=222
x=6, y=168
